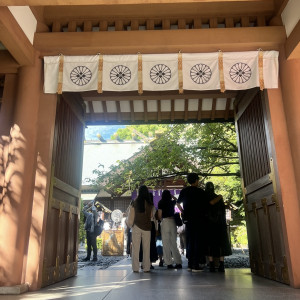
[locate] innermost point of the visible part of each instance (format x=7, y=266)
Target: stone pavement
x=119, y=282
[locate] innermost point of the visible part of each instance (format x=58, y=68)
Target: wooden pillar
x=7, y=108
x=284, y=107
x=6, y=115
x=16, y=215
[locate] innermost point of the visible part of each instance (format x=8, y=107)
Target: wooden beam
x=56, y=26
x=166, y=24
x=213, y=23
x=292, y=45
x=197, y=23
x=186, y=109
x=91, y=107
x=134, y=25
x=158, y=9
x=158, y=111
x=172, y=109
x=145, y=111
x=213, y=109
x=14, y=39
x=228, y=101
x=159, y=95
x=130, y=2
x=245, y=21
x=119, y=111
x=229, y=23
x=72, y=26
x=199, y=109
x=104, y=110
x=7, y=63
x=182, y=24
x=150, y=24
x=163, y=41
x=87, y=26
x=138, y=117
x=132, y=111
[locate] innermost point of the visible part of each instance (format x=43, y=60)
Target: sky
x=105, y=131
x=106, y=154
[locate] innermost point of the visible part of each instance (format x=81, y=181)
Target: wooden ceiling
x=155, y=107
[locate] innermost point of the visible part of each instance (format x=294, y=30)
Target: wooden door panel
x=266, y=246
x=60, y=257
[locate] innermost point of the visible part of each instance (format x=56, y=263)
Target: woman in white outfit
x=141, y=230
x=169, y=230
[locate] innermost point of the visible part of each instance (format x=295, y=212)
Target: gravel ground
x=103, y=262
x=238, y=259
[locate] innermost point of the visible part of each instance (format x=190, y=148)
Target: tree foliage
x=207, y=149
x=145, y=132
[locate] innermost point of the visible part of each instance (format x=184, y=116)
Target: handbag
x=178, y=220
x=130, y=217
x=98, y=227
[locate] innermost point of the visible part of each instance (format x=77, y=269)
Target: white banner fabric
x=80, y=73
x=271, y=69
x=120, y=73
x=240, y=70
x=160, y=72
x=200, y=71
x=51, y=65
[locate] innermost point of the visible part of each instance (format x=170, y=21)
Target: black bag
x=178, y=220
x=98, y=228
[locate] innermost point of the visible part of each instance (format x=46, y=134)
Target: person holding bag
x=141, y=230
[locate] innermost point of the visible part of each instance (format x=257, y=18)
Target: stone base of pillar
x=14, y=290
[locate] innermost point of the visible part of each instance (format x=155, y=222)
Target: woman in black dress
x=217, y=238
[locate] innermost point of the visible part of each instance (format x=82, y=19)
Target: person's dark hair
x=192, y=177
x=151, y=198
x=166, y=196
x=143, y=196
x=209, y=187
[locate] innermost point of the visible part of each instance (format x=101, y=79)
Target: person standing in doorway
x=91, y=216
x=166, y=210
x=141, y=230
x=194, y=202
x=217, y=237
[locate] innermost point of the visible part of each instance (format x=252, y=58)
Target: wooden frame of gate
x=201, y=26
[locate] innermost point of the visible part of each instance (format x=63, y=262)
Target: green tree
x=138, y=132
x=208, y=149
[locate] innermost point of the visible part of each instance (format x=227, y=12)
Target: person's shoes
x=151, y=267
x=135, y=271
x=170, y=266
x=189, y=268
x=86, y=259
x=197, y=269
x=221, y=267
x=161, y=264
x=178, y=266
x=212, y=266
